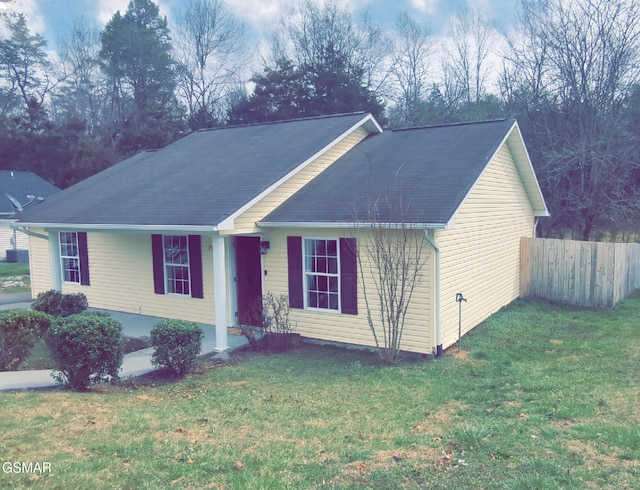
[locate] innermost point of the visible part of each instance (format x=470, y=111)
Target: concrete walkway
x=134, y=364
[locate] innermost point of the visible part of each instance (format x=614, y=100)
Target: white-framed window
x=69, y=256
x=176, y=264
x=321, y=273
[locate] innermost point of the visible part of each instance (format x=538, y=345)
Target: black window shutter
x=157, y=252
x=195, y=266
x=294, y=256
x=83, y=252
x=349, y=276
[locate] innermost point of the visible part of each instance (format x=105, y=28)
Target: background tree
x=24, y=69
x=331, y=56
x=568, y=80
x=410, y=68
x=210, y=50
x=470, y=36
x=136, y=57
x=82, y=92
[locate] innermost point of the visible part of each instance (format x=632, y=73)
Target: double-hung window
x=176, y=263
x=322, y=274
x=70, y=256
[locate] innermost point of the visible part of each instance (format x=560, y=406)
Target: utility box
x=17, y=255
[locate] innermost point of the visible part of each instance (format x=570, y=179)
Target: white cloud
x=425, y=6
x=263, y=15
x=106, y=8
x=35, y=20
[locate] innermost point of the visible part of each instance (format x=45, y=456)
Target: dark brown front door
x=249, y=280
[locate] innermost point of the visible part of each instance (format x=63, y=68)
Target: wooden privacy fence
x=591, y=274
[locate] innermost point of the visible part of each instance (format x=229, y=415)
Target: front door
x=249, y=280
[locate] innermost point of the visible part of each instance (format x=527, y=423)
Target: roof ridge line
x=447, y=125
x=265, y=123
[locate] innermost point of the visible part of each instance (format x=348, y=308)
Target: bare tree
x=410, y=69
x=391, y=255
x=571, y=69
x=210, y=45
x=470, y=36
x=82, y=94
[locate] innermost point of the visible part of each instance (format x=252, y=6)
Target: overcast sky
x=48, y=17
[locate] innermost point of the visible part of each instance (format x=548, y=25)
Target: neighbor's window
x=176, y=263
x=322, y=274
x=69, y=256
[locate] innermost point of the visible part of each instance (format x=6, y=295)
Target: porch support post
x=54, y=261
x=220, y=291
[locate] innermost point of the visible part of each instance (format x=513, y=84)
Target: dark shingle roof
x=421, y=174
x=20, y=185
x=199, y=180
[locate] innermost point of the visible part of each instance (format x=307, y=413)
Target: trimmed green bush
x=86, y=348
x=19, y=331
x=57, y=304
x=177, y=345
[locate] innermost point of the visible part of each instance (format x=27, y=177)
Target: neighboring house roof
x=199, y=180
x=418, y=175
x=23, y=188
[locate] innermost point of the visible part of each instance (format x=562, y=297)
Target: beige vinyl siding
x=121, y=274
x=245, y=223
x=480, y=255
x=336, y=327
x=39, y=264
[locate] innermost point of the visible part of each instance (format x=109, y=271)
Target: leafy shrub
x=86, y=348
x=177, y=345
x=19, y=331
x=57, y=304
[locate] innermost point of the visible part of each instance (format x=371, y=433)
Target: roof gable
x=419, y=175
x=199, y=180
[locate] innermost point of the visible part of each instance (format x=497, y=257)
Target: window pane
x=332, y=248
x=333, y=301
x=333, y=284
x=323, y=300
x=321, y=264
x=333, y=266
x=321, y=247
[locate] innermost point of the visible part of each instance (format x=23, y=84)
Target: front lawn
x=542, y=397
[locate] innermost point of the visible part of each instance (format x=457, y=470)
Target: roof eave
x=107, y=227
x=352, y=225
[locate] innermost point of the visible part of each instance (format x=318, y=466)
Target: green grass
x=542, y=397
x=8, y=269
x=14, y=271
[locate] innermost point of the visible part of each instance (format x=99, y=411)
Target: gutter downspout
x=27, y=231
x=431, y=239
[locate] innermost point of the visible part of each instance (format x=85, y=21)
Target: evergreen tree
x=136, y=57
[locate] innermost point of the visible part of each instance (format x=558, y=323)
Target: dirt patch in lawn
x=437, y=423
x=595, y=459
